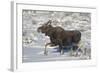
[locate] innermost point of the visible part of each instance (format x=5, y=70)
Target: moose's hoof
x=62, y=52
x=45, y=53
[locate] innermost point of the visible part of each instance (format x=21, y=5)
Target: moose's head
x=45, y=27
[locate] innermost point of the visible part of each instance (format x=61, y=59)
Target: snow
x=68, y=20
x=37, y=55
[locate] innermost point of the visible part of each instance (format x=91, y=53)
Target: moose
x=60, y=37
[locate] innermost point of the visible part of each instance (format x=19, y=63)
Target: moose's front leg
x=61, y=48
x=45, y=50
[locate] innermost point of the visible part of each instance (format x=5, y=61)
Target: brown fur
x=61, y=37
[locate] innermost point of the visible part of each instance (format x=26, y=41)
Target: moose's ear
x=49, y=22
x=50, y=25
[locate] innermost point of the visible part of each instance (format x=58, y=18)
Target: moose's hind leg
x=61, y=49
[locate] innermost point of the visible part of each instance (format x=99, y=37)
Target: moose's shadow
x=58, y=50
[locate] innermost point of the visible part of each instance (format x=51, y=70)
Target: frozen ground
x=37, y=55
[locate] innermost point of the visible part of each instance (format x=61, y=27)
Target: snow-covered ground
x=36, y=54
x=68, y=20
